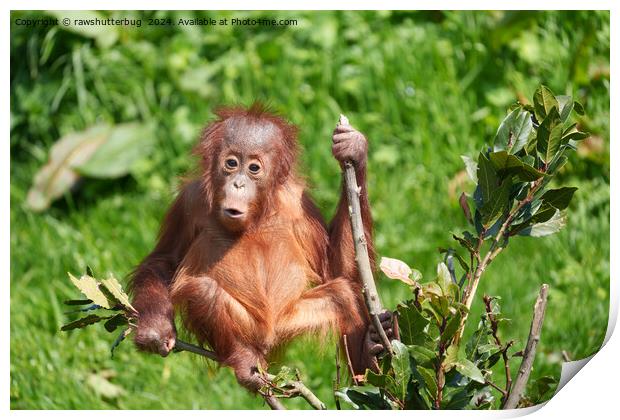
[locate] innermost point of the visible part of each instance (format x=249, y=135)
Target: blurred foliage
x=425, y=87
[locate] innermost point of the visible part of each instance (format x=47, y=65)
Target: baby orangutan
x=246, y=257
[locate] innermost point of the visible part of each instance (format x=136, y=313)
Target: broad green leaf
x=401, y=367
x=549, y=135
x=573, y=133
x=506, y=164
x=471, y=166
x=379, y=380
x=115, y=322
x=451, y=327
x=565, y=106
x=544, y=213
x=544, y=101
x=90, y=288
x=428, y=376
x=487, y=178
x=466, y=368
x=366, y=396
x=422, y=356
x=115, y=288
x=559, y=198
x=124, y=146
x=513, y=133
x=444, y=280
x=411, y=324
x=551, y=226
x=465, y=243
x=579, y=108
x=83, y=322
x=497, y=203
x=58, y=175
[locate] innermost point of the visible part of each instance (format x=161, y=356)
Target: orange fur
x=247, y=293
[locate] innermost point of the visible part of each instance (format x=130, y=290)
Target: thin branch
x=501, y=390
x=371, y=297
x=337, y=381
x=294, y=388
x=273, y=402
x=349, y=364
x=183, y=346
x=518, y=386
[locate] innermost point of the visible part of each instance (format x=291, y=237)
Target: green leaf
x=544, y=101
x=366, y=396
x=579, y=108
x=513, y=133
x=83, y=322
x=115, y=288
x=401, y=367
x=471, y=166
x=466, y=368
x=551, y=226
x=422, y=356
x=573, y=133
x=487, y=178
x=428, y=376
x=451, y=327
x=465, y=243
x=90, y=288
x=116, y=321
x=565, y=106
x=444, y=280
x=497, y=204
x=379, y=380
x=411, y=324
x=119, y=340
x=506, y=164
x=549, y=135
x=559, y=198
x=124, y=146
x=73, y=302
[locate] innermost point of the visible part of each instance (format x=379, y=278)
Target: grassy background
x=425, y=87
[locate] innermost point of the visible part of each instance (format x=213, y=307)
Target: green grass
x=424, y=87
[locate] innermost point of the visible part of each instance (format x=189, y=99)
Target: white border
x=593, y=393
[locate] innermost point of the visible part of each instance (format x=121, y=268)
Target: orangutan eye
x=254, y=168
x=231, y=163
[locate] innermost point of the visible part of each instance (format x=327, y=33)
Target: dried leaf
x=396, y=269
x=115, y=288
x=90, y=287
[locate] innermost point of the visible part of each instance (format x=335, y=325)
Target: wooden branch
x=294, y=388
x=518, y=386
x=183, y=346
x=371, y=297
x=273, y=402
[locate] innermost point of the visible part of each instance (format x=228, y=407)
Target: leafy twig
x=529, y=354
